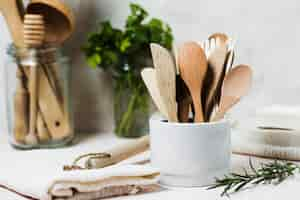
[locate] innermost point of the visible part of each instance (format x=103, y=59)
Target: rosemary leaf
x=269, y=173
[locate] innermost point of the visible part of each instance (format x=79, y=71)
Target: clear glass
x=38, y=99
x=131, y=113
x=132, y=103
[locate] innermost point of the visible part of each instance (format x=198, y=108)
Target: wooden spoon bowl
x=59, y=19
x=193, y=67
x=236, y=85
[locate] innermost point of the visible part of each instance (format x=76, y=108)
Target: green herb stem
x=270, y=173
x=127, y=117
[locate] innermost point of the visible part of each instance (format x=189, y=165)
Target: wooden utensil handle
x=21, y=113
x=121, y=153
x=51, y=109
x=183, y=110
x=52, y=69
x=33, y=85
x=42, y=130
x=198, y=108
x=13, y=11
x=219, y=115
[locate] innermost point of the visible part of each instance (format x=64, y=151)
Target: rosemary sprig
x=270, y=173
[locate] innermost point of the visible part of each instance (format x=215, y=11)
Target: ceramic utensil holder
x=53, y=126
x=190, y=154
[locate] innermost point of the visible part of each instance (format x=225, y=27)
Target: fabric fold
x=103, y=183
x=32, y=176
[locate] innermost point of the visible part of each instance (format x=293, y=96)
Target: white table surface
x=103, y=141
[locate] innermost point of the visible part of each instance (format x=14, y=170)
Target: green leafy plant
x=124, y=53
x=269, y=173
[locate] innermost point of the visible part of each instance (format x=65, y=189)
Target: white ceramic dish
x=190, y=154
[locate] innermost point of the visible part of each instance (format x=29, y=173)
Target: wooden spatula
x=119, y=153
x=216, y=60
x=166, y=78
x=193, y=66
x=42, y=130
x=51, y=109
x=175, y=55
x=149, y=78
x=236, y=85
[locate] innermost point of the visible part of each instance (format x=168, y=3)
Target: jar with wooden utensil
x=38, y=97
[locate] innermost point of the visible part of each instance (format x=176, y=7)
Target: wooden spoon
x=193, y=67
x=236, y=85
x=58, y=17
x=149, y=77
x=166, y=78
x=13, y=13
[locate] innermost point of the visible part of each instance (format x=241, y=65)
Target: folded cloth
x=278, y=116
x=29, y=174
x=102, y=183
x=274, y=132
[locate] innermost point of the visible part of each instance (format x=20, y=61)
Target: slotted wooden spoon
x=224, y=38
x=236, y=85
x=216, y=60
x=193, y=66
x=166, y=78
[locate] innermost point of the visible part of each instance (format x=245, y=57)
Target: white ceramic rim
x=162, y=120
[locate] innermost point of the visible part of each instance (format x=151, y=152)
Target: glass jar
x=38, y=99
x=132, y=103
x=131, y=111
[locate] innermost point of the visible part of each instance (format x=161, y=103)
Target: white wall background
x=266, y=33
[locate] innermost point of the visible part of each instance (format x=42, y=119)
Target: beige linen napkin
x=102, y=183
x=32, y=176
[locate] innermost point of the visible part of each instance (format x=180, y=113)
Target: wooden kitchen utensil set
x=41, y=113
x=198, y=83
x=195, y=84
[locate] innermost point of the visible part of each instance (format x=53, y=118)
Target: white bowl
x=190, y=154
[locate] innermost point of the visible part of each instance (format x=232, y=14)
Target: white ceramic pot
x=190, y=154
